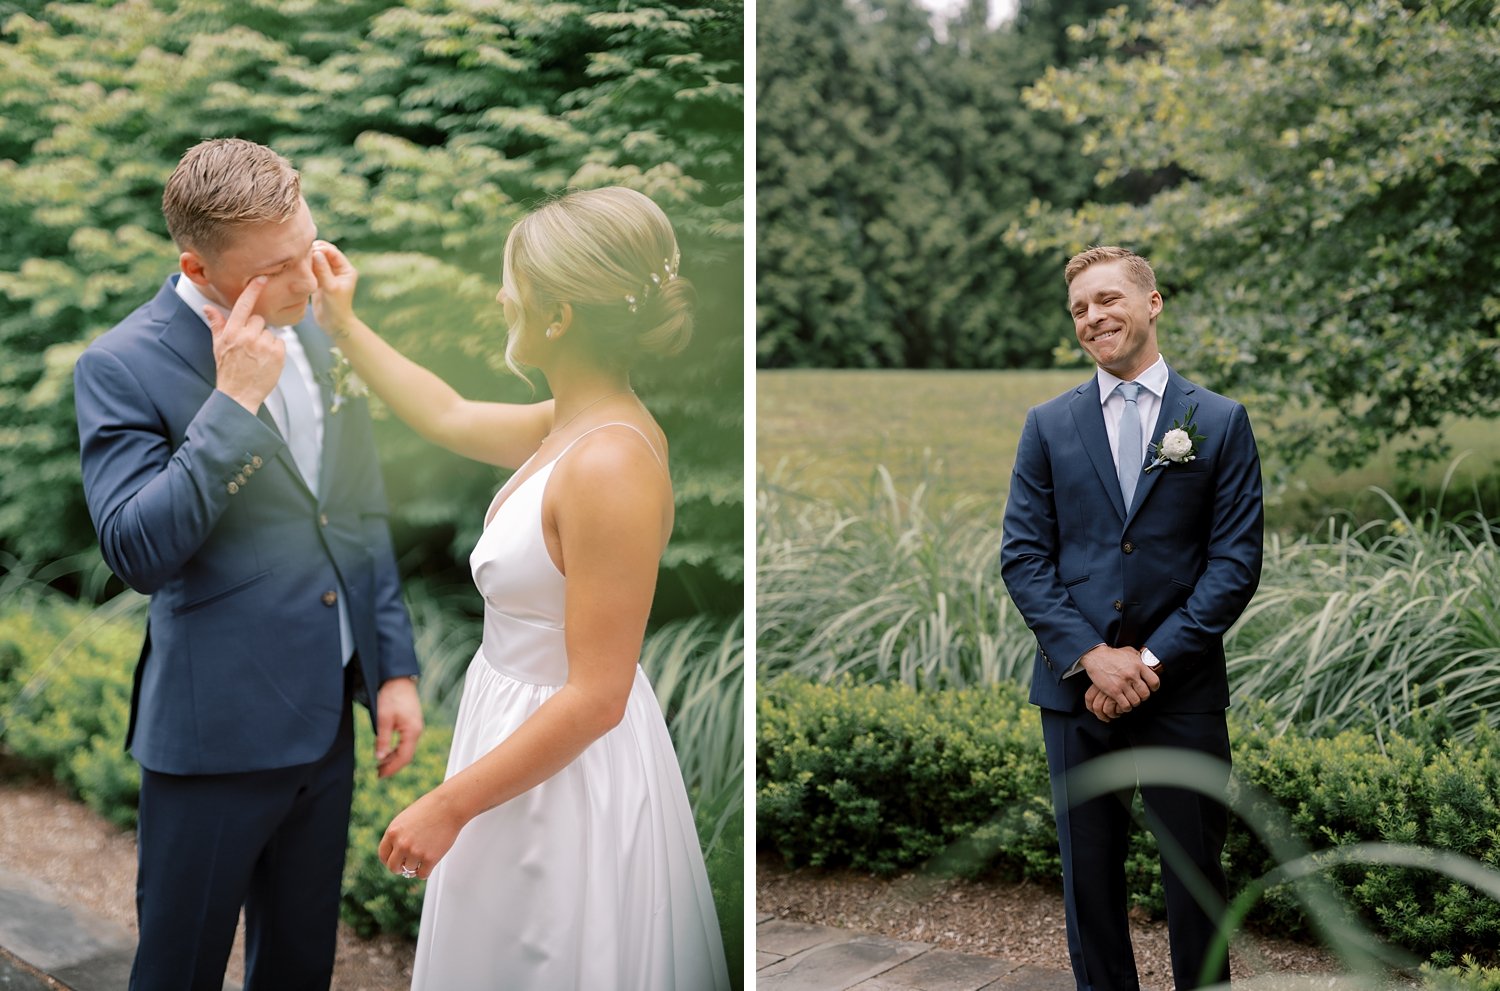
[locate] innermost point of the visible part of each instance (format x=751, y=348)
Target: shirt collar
x=1153, y=380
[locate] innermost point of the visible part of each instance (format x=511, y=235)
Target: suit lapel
x=1175, y=402
x=1088, y=417
x=185, y=334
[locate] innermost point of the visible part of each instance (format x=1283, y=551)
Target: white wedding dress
x=593, y=880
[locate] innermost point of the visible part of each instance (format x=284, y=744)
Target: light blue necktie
x=298, y=428
x=1128, y=441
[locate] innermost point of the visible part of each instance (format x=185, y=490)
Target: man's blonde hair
x=1140, y=269
x=226, y=183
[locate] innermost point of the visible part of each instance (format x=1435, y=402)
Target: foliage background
x=893, y=152
x=423, y=130
x=1314, y=182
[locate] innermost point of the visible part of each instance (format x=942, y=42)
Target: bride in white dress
x=560, y=851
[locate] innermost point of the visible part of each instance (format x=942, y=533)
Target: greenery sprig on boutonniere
x=344, y=381
x=1179, y=444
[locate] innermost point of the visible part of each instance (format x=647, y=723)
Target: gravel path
x=62, y=843
x=1022, y=922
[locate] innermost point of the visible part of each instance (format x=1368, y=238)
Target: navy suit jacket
x=198, y=503
x=1173, y=574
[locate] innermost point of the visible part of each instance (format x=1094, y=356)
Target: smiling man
x=1132, y=543
x=257, y=524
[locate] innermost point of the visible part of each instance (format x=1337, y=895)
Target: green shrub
x=65, y=681
x=66, y=701
x=880, y=777
x=1469, y=977
x=884, y=777
x=375, y=900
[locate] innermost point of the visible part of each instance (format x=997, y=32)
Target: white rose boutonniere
x=1179, y=444
x=344, y=381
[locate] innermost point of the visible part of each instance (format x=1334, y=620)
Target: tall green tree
x=1332, y=237
x=894, y=151
x=423, y=131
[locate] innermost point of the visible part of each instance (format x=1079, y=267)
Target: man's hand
x=398, y=711
x=1121, y=675
x=247, y=355
x=333, y=303
x=1101, y=705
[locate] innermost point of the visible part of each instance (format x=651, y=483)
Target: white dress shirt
x=1153, y=383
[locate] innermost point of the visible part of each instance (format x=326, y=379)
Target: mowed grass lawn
x=821, y=432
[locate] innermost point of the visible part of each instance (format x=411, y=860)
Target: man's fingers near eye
x=249, y=296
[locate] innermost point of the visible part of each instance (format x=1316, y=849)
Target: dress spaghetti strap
x=614, y=423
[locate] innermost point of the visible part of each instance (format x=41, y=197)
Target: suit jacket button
x=232, y=488
x=330, y=598
x=1128, y=548
x=1119, y=605
x=322, y=519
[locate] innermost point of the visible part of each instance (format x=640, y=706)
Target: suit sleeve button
x=256, y=462
x=232, y=488
x=330, y=598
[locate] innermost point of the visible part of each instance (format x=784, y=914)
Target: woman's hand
x=421, y=835
x=333, y=303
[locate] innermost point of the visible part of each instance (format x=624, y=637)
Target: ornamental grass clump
x=888, y=592
x=1365, y=626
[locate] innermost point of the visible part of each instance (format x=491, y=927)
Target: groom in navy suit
x=228, y=482
x=1130, y=549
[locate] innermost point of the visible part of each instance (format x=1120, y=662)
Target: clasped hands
x=1121, y=681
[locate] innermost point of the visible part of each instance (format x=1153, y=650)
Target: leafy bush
x=423, y=132
x=1471, y=976
x=881, y=777
x=65, y=701
x=65, y=681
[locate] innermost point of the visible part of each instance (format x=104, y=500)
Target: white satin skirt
x=593, y=880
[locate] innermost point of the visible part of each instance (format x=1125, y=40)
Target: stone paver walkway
x=795, y=956
x=77, y=949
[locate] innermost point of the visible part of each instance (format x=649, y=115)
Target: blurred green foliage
x=1328, y=240
x=893, y=152
x=423, y=130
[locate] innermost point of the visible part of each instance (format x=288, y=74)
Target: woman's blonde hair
x=611, y=255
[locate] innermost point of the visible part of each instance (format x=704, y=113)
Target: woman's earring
x=552, y=331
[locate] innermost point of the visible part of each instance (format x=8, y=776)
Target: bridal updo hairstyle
x=611, y=255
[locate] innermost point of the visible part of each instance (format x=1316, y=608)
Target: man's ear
x=193, y=268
